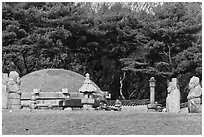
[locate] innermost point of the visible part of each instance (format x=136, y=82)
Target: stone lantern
x=152, y=106
x=87, y=89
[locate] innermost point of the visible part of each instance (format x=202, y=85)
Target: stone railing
x=47, y=99
x=129, y=102
x=139, y=103
x=42, y=99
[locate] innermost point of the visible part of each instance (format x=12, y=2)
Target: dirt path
x=99, y=123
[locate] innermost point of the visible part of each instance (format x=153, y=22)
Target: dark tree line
x=115, y=42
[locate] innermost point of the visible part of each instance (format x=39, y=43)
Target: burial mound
x=53, y=80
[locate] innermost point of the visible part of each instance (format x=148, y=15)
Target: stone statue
x=15, y=76
x=14, y=91
x=173, y=97
x=194, y=96
x=13, y=84
x=4, y=91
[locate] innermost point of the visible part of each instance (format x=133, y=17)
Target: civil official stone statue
x=173, y=97
x=194, y=96
x=13, y=84
x=14, y=91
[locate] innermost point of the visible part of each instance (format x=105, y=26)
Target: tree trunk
x=121, y=85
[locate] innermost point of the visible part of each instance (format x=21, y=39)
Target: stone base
x=88, y=107
x=184, y=110
x=152, y=107
x=16, y=107
x=116, y=108
x=68, y=108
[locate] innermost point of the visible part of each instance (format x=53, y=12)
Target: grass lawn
x=78, y=122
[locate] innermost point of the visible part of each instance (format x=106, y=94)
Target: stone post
x=152, y=90
x=33, y=101
x=35, y=94
x=152, y=106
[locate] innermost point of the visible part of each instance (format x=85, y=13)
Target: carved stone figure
x=173, y=97
x=4, y=91
x=14, y=91
x=194, y=96
x=15, y=76
x=13, y=84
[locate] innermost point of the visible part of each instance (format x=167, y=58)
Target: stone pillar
x=152, y=106
x=35, y=94
x=33, y=101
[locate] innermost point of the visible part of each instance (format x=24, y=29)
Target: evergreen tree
x=174, y=45
x=114, y=42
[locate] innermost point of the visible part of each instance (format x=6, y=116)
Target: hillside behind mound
x=53, y=80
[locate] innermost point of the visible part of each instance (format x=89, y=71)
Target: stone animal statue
x=194, y=96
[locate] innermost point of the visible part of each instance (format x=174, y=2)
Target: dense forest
x=120, y=44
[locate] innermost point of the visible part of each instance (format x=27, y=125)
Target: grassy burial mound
x=51, y=82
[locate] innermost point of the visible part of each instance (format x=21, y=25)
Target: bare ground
x=78, y=122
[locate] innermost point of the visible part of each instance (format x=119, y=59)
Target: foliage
x=174, y=46
x=105, y=39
